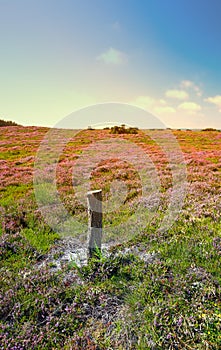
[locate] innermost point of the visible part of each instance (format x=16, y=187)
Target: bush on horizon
x=7, y=123
x=123, y=130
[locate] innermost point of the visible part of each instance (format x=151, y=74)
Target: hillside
x=150, y=288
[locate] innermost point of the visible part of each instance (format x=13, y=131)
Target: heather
x=157, y=290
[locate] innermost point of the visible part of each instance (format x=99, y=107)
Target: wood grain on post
x=94, y=200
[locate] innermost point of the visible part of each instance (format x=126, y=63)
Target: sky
x=59, y=56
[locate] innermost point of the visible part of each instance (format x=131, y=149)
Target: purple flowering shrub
x=157, y=291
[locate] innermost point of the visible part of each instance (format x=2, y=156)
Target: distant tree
x=132, y=130
x=209, y=129
x=123, y=130
x=7, y=123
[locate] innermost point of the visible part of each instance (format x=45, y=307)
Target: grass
x=13, y=193
x=155, y=290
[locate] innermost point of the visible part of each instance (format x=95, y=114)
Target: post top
x=93, y=192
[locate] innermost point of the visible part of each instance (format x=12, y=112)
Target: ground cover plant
x=159, y=290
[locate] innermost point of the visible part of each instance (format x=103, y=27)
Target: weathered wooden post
x=94, y=200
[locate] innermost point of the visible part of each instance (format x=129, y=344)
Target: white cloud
x=186, y=83
x=164, y=109
x=145, y=102
x=156, y=106
x=189, y=84
x=190, y=107
x=216, y=100
x=177, y=94
x=184, y=114
x=112, y=56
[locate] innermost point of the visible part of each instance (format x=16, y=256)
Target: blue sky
x=164, y=56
